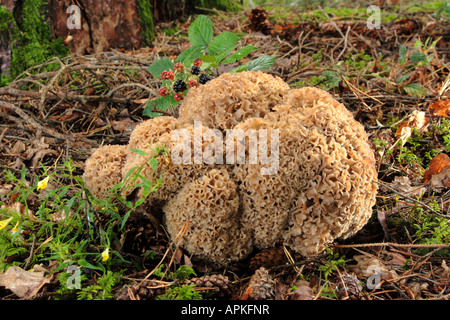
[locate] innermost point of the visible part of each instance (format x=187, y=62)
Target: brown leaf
x=123, y=125
x=367, y=265
x=438, y=163
x=417, y=120
x=19, y=208
x=440, y=181
x=440, y=108
x=25, y=284
x=403, y=184
x=303, y=291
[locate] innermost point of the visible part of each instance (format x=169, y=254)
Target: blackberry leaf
x=200, y=32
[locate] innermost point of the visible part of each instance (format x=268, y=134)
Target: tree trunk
x=88, y=26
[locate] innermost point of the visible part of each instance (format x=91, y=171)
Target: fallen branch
x=10, y=91
x=36, y=125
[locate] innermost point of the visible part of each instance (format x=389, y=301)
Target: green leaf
x=84, y=263
x=403, y=77
x=162, y=103
x=415, y=89
x=189, y=55
x=418, y=44
x=258, y=64
x=164, y=64
x=332, y=78
x=208, y=58
x=241, y=53
x=154, y=164
x=139, y=152
x=417, y=57
x=200, y=32
x=222, y=43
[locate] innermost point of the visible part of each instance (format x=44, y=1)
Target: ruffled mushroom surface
x=302, y=170
x=103, y=170
x=182, y=161
x=210, y=208
x=231, y=98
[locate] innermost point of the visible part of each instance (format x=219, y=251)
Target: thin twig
x=412, y=199
x=178, y=239
x=392, y=244
x=35, y=124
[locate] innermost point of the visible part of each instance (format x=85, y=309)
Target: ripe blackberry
x=179, y=86
x=204, y=78
x=195, y=70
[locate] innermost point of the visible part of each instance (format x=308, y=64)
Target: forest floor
x=395, y=80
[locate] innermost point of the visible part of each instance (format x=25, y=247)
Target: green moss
x=146, y=21
x=7, y=29
x=224, y=5
x=32, y=38
x=6, y=19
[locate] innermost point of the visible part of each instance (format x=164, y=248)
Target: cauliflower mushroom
x=103, y=169
x=176, y=167
x=322, y=188
x=231, y=98
x=335, y=199
x=210, y=207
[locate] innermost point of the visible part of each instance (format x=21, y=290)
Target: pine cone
x=221, y=284
x=259, y=21
x=260, y=287
x=406, y=26
x=352, y=289
x=141, y=292
x=268, y=258
x=141, y=232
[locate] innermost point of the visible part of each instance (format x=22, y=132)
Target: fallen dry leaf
x=438, y=163
x=368, y=265
x=24, y=284
x=417, y=120
x=124, y=125
x=303, y=291
x=19, y=207
x=403, y=184
x=440, y=181
x=440, y=108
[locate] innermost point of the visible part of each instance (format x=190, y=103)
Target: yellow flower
x=105, y=254
x=15, y=227
x=43, y=184
x=4, y=223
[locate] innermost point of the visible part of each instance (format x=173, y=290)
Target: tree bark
x=104, y=24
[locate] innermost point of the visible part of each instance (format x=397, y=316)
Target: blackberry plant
x=204, y=78
x=198, y=64
x=179, y=86
x=195, y=70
